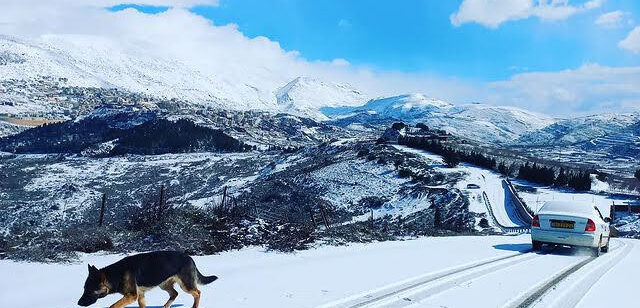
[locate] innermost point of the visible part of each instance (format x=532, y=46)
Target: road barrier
x=524, y=212
x=495, y=221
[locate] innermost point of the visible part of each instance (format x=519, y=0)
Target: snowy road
x=488, y=271
x=524, y=279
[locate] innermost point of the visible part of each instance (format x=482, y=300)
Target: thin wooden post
x=324, y=216
x=161, y=202
x=100, y=220
x=313, y=220
x=224, y=197
x=372, y=221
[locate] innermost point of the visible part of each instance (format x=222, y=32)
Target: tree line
x=579, y=180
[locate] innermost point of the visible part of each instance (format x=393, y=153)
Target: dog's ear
x=92, y=269
x=103, y=278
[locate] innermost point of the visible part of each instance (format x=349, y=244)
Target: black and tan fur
x=134, y=275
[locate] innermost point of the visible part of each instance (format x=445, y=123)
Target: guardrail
x=495, y=221
x=522, y=210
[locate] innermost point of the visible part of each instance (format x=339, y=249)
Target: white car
x=571, y=224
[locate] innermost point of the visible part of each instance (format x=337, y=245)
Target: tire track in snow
x=391, y=295
x=572, y=294
x=576, y=291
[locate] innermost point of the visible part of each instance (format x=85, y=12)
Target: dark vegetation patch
x=132, y=133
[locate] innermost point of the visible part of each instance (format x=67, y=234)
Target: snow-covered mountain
x=474, y=121
x=408, y=107
x=305, y=96
x=95, y=62
x=579, y=130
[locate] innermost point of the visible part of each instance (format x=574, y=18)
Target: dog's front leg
x=126, y=300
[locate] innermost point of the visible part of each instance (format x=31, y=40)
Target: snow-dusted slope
x=500, y=122
x=473, y=121
x=90, y=61
x=578, y=130
x=305, y=96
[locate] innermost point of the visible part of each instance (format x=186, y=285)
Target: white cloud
x=614, y=19
x=236, y=60
x=587, y=89
x=170, y=3
x=632, y=41
x=344, y=23
x=492, y=13
x=221, y=51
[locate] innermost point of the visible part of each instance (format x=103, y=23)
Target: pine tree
x=562, y=180
x=637, y=175
x=451, y=159
x=437, y=218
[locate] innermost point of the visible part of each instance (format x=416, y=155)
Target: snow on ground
x=617, y=287
x=347, y=181
x=329, y=274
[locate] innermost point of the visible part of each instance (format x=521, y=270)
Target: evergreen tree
x=451, y=159
x=437, y=218
x=562, y=180
x=637, y=175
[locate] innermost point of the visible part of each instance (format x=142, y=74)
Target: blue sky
x=419, y=36
x=580, y=55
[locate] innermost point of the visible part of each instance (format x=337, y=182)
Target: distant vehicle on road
x=571, y=224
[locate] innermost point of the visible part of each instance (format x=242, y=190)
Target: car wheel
x=606, y=247
x=536, y=245
x=596, y=250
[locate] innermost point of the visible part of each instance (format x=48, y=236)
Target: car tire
x=535, y=245
x=595, y=252
x=606, y=247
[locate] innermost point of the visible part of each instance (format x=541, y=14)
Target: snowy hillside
x=474, y=121
x=89, y=61
x=306, y=96
x=578, y=130
x=409, y=107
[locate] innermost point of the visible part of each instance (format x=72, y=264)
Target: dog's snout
x=85, y=302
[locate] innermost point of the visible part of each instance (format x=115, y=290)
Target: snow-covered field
x=485, y=271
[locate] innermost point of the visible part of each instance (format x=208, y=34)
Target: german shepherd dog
x=134, y=275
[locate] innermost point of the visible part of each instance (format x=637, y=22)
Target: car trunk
x=562, y=223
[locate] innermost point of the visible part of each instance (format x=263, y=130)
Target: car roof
x=567, y=207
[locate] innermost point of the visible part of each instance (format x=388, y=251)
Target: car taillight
x=591, y=226
x=536, y=221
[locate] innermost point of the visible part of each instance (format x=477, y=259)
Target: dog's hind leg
x=168, y=286
x=196, y=297
x=191, y=288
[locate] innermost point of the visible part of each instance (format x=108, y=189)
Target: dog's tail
x=205, y=279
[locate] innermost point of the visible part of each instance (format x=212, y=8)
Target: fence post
x=324, y=216
x=161, y=202
x=100, y=220
x=372, y=221
x=224, y=196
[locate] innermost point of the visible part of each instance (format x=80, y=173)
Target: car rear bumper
x=565, y=238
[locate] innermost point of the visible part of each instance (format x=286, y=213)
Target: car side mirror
x=607, y=220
